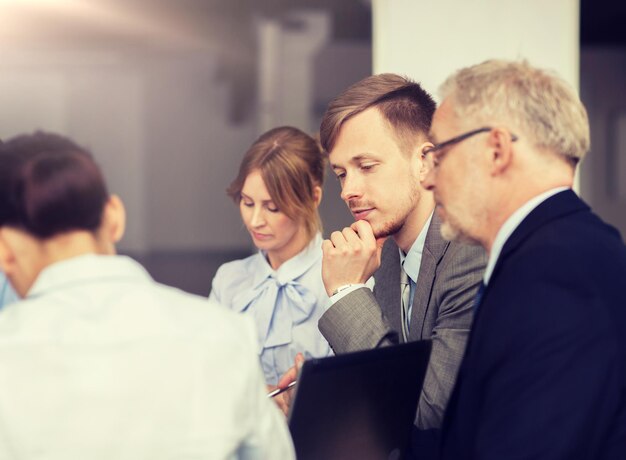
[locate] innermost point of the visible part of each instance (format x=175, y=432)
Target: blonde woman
x=278, y=190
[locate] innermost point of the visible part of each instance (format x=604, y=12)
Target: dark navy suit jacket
x=544, y=374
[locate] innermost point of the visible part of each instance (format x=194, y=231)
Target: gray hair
x=535, y=102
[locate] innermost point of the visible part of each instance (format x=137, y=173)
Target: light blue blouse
x=286, y=305
x=7, y=294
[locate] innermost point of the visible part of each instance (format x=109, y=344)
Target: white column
x=287, y=49
x=269, y=38
x=428, y=40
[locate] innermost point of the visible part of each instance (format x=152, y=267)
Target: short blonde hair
x=291, y=165
x=536, y=102
x=402, y=102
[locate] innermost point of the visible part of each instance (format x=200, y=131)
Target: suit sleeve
x=455, y=289
x=355, y=323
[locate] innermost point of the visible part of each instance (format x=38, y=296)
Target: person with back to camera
x=98, y=361
x=278, y=189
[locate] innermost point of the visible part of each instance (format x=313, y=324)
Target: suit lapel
x=434, y=249
x=559, y=205
x=387, y=287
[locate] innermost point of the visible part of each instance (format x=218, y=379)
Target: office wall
x=603, y=173
x=158, y=125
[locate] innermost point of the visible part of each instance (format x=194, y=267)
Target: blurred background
x=170, y=94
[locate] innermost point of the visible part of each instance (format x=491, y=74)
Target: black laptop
x=358, y=405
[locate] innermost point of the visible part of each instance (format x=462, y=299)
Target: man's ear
x=7, y=256
x=500, y=145
x=113, y=220
x=317, y=195
x=426, y=160
x=21, y=258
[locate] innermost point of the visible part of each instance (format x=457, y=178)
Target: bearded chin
x=388, y=229
x=393, y=226
x=451, y=232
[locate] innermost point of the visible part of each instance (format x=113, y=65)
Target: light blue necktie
x=406, y=292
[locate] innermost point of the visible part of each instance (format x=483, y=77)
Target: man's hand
x=351, y=256
x=283, y=400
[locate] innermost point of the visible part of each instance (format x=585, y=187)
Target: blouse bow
x=276, y=306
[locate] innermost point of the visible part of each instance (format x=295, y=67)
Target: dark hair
x=291, y=165
x=49, y=185
x=403, y=103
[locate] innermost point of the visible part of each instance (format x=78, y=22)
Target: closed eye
x=368, y=166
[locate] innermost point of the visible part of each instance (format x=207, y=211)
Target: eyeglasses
x=455, y=140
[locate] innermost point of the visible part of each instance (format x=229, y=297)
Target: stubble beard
x=389, y=228
x=449, y=232
x=452, y=230
x=395, y=224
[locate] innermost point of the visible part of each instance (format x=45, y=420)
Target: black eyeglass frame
x=461, y=137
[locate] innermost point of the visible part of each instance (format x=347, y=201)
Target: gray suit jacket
x=448, y=279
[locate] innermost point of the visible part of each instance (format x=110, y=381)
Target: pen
x=278, y=391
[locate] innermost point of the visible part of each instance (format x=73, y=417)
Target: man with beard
x=544, y=374
x=375, y=134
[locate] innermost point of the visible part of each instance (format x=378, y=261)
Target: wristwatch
x=341, y=288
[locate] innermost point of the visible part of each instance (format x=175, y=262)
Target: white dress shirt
x=286, y=305
x=101, y=362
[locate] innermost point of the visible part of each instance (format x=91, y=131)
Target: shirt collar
x=511, y=224
x=84, y=269
x=412, y=260
x=292, y=268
